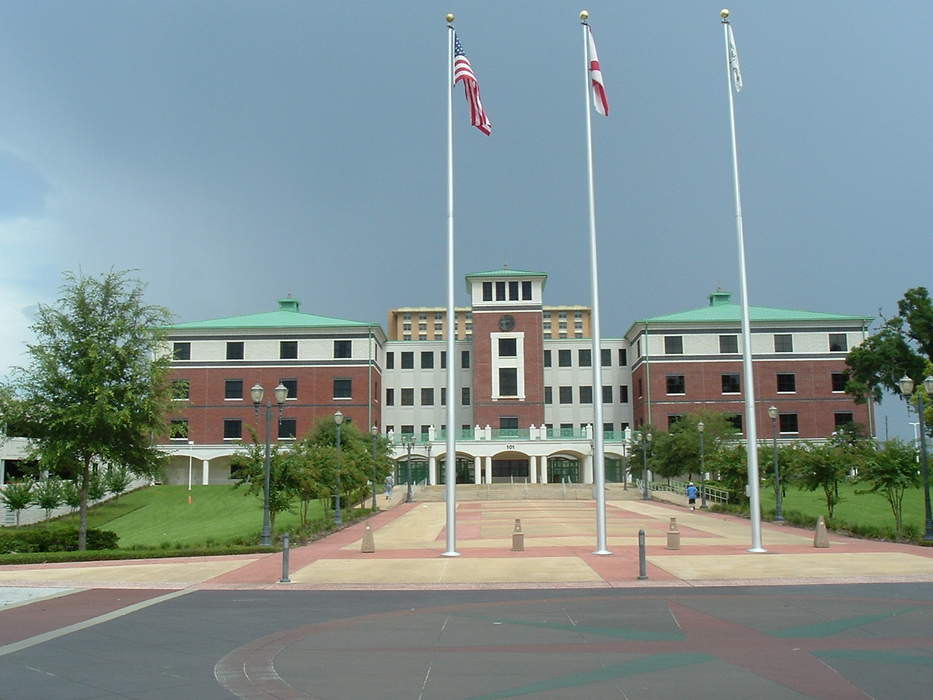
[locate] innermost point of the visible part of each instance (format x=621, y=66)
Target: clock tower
x=508, y=348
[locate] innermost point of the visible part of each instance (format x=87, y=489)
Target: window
x=408, y=360
x=584, y=358
x=508, y=423
x=586, y=394
x=343, y=349
x=500, y=291
x=427, y=397
x=233, y=429
x=786, y=383
x=425, y=431
x=235, y=350
x=288, y=428
x=443, y=359
x=508, y=381
x=788, y=423
x=181, y=389
x=288, y=349
x=526, y=291
x=608, y=428
x=548, y=395
x=408, y=397
x=390, y=360
x=623, y=357
x=623, y=393
x=390, y=397
x=842, y=418
x=408, y=430
x=673, y=420
x=233, y=388
x=465, y=395
x=181, y=351
x=676, y=384
x=547, y=358
x=513, y=291
x=507, y=347
x=838, y=342
x=566, y=429
x=605, y=358
x=564, y=358
x=839, y=381
x=674, y=345
x=547, y=336
x=443, y=396
x=783, y=342
x=178, y=429
x=465, y=359
x=343, y=388
x=427, y=360
x=638, y=348
x=292, y=386
x=422, y=336
x=565, y=394
x=731, y=384
x=607, y=394
x=389, y=429
x=487, y=291
x=728, y=344
x=735, y=419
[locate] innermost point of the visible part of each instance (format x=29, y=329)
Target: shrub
x=54, y=540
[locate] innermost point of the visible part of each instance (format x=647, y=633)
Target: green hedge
x=110, y=554
x=54, y=540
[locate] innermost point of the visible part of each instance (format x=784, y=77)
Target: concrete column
x=206, y=472
x=432, y=471
x=533, y=469
x=543, y=459
x=588, y=469
x=488, y=469
x=2, y=471
x=477, y=470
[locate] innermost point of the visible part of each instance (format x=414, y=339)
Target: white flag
x=734, y=61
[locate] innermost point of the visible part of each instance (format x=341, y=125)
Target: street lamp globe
x=281, y=393
x=256, y=393
x=928, y=384
x=374, y=431
x=772, y=412
x=906, y=385
x=338, y=418
x=701, y=427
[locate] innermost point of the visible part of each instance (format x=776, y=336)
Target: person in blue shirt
x=692, y=492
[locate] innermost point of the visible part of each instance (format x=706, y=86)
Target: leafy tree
x=890, y=470
x=249, y=469
x=821, y=467
x=96, y=486
x=47, y=494
x=902, y=346
x=730, y=465
x=677, y=452
x=71, y=495
x=117, y=480
x=95, y=390
x=17, y=496
x=638, y=449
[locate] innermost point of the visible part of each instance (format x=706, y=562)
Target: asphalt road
x=851, y=641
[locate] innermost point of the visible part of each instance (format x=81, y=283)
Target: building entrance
x=464, y=471
x=506, y=470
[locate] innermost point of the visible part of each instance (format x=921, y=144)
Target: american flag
x=600, y=101
x=464, y=71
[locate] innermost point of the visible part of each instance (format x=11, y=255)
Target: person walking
x=390, y=482
x=692, y=492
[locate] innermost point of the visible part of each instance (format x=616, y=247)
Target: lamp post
x=907, y=388
x=778, y=496
x=701, y=429
x=338, y=516
x=645, y=447
x=374, y=433
x=408, y=444
x=256, y=393
x=429, y=462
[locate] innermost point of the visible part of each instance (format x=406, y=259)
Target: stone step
x=518, y=492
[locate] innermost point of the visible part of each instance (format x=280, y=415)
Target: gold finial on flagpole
x=584, y=15
x=450, y=17
x=724, y=13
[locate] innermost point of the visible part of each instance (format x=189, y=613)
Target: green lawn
x=867, y=509
x=156, y=515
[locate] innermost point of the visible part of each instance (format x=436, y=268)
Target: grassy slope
x=161, y=514
x=870, y=509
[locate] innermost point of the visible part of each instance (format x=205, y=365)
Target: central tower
x=508, y=373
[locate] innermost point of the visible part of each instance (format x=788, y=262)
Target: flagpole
x=450, y=463
x=751, y=444
x=599, y=471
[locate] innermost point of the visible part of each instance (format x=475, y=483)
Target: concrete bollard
x=821, y=536
x=673, y=535
x=285, y=578
x=642, y=559
x=518, y=537
x=369, y=544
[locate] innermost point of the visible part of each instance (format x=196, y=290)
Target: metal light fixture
x=701, y=429
x=256, y=393
x=374, y=433
x=778, y=496
x=338, y=516
x=906, y=385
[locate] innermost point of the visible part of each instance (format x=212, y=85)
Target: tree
x=95, y=390
x=248, y=466
x=47, y=494
x=71, y=495
x=17, y=496
x=902, y=346
x=821, y=467
x=677, y=452
x=117, y=480
x=891, y=470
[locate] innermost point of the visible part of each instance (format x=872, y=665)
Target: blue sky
x=233, y=152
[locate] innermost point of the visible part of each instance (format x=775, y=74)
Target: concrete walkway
x=559, y=537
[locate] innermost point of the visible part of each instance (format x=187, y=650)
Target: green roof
x=721, y=310
x=287, y=316
x=507, y=272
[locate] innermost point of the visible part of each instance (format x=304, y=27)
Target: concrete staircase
x=531, y=492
